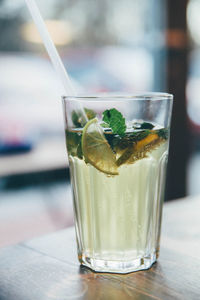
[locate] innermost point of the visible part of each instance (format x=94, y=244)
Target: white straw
x=51, y=49
x=53, y=54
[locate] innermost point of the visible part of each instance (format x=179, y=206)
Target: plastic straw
x=51, y=49
x=53, y=54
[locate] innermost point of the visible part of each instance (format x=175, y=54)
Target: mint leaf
x=143, y=134
x=146, y=125
x=77, y=117
x=115, y=120
x=163, y=133
x=90, y=113
x=73, y=142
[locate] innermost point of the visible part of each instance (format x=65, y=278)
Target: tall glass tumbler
x=118, y=165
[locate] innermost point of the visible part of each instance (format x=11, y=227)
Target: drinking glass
x=118, y=162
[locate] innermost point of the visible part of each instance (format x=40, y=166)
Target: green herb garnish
x=90, y=113
x=146, y=125
x=78, y=119
x=73, y=143
x=115, y=120
x=163, y=133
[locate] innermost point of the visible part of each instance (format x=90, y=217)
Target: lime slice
x=96, y=149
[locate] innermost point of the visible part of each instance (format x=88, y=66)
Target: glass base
x=122, y=267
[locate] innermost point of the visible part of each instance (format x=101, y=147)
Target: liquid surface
x=134, y=145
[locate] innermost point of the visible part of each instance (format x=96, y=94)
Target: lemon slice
x=96, y=149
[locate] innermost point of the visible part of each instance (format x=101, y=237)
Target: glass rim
x=150, y=96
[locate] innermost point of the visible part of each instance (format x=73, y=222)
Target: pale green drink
x=118, y=215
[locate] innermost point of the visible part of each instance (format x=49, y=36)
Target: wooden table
x=47, y=267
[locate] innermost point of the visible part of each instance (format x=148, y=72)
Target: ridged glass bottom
x=122, y=267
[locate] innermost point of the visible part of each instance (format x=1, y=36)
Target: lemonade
x=118, y=186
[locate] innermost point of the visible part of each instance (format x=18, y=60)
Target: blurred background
x=107, y=45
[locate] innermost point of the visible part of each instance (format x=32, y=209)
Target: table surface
x=47, y=267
